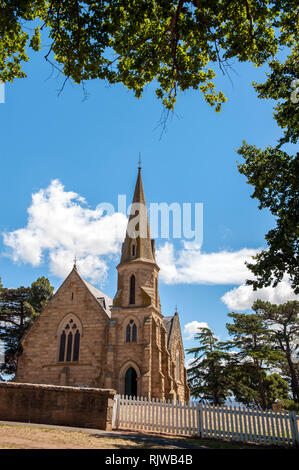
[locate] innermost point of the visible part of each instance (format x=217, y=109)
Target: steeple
x=138, y=244
x=137, y=284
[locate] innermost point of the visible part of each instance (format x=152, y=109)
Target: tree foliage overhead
x=135, y=42
x=274, y=175
x=279, y=87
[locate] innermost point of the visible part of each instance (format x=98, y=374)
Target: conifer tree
x=254, y=356
x=207, y=377
x=282, y=322
x=18, y=309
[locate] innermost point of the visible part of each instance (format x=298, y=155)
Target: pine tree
x=282, y=323
x=207, y=378
x=18, y=309
x=254, y=356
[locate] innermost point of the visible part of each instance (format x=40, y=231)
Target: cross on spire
x=139, y=162
x=75, y=262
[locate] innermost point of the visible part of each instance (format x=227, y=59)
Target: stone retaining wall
x=51, y=404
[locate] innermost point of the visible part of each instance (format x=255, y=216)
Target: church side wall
x=157, y=376
x=179, y=382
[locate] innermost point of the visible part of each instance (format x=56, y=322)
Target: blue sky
x=91, y=147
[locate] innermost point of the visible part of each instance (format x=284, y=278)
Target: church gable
x=74, y=287
x=66, y=294
x=66, y=344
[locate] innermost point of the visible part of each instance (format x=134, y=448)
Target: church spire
x=137, y=284
x=138, y=243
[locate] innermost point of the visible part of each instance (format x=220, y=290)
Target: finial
x=75, y=262
x=176, y=308
x=139, y=162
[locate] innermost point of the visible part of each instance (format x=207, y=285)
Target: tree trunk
x=293, y=374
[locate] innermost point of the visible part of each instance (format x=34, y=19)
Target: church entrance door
x=131, y=383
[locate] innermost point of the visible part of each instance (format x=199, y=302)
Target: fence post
x=115, y=415
x=294, y=428
x=199, y=419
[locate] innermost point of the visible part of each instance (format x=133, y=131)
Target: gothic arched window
x=133, y=249
x=62, y=347
x=76, y=346
x=69, y=342
x=128, y=333
x=132, y=289
x=134, y=333
x=131, y=332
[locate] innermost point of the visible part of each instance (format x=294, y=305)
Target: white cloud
x=242, y=297
x=62, y=226
x=191, y=266
x=190, y=329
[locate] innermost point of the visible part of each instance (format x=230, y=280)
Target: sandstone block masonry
x=50, y=404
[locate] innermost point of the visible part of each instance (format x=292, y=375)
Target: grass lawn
x=26, y=437
x=226, y=444
x=38, y=437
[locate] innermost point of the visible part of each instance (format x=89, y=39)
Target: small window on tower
x=133, y=249
x=131, y=332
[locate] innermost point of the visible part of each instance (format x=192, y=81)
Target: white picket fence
x=197, y=419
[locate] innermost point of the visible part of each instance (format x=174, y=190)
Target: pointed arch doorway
x=131, y=382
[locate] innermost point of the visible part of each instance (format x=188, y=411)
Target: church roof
x=168, y=322
x=171, y=324
x=103, y=299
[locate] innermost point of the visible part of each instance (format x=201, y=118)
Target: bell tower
x=138, y=283
x=142, y=345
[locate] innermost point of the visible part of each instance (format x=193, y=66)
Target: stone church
x=84, y=338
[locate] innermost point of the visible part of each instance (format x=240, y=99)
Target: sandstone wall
x=50, y=404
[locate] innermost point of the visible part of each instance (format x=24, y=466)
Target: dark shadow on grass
x=149, y=441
